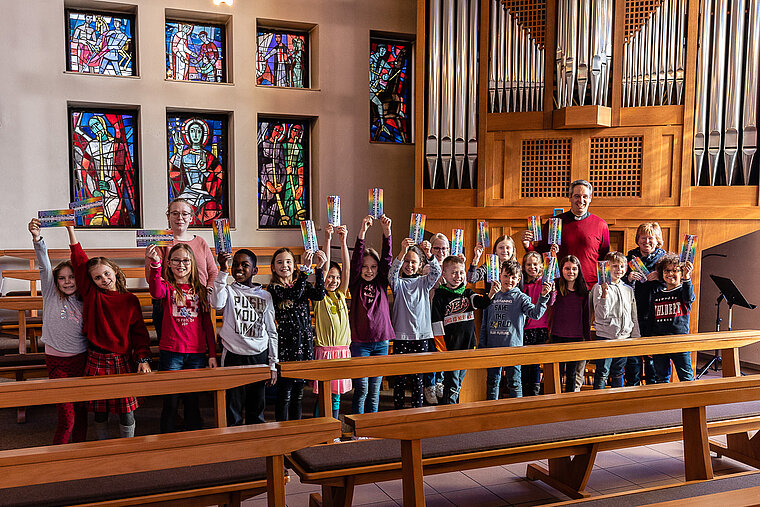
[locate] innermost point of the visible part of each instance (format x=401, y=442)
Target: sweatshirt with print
x=411, y=311
x=504, y=319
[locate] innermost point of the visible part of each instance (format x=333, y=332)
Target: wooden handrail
x=124, y=253
x=132, y=272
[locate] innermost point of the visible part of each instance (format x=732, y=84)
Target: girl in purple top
x=370, y=317
x=570, y=316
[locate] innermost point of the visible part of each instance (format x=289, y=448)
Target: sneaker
x=439, y=390
x=430, y=395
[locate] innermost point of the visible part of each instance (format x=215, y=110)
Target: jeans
x=367, y=389
x=531, y=379
x=647, y=367
x=245, y=404
x=431, y=379
x=452, y=382
x=682, y=362
x=513, y=378
x=633, y=371
x=289, y=399
x=611, y=367
x=570, y=369
x=181, y=361
x=335, y=397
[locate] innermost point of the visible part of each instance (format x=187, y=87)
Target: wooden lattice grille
x=545, y=167
x=615, y=166
x=532, y=15
x=637, y=12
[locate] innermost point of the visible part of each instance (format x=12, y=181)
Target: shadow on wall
x=740, y=265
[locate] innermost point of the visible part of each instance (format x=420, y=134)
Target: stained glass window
x=197, y=153
x=195, y=51
x=282, y=59
x=390, y=90
x=283, y=172
x=100, y=43
x=103, y=147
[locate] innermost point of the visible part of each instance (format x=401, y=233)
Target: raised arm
x=217, y=298
x=79, y=260
x=327, y=247
x=158, y=289
x=345, y=259
x=43, y=261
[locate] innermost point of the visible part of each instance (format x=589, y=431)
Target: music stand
x=733, y=296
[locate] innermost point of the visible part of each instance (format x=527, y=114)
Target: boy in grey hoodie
x=249, y=332
x=503, y=324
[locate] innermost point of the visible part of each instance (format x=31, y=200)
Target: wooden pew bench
x=742, y=489
x=411, y=426
x=218, y=465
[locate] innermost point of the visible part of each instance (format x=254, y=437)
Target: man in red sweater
x=584, y=235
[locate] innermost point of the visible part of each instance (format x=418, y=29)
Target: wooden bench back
x=125, y=253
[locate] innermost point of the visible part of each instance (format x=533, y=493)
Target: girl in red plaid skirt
x=115, y=330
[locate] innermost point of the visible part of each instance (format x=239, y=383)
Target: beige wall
x=35, y=91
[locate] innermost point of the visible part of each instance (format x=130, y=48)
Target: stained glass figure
x=197, y=153
x=282, y=59
x=283, y=173
x=103, y=164
x=100, y=43
x=195, y=51
x=389, y=90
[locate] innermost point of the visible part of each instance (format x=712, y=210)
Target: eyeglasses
x=177, y=214
x=440, y=248
x=178, y=262
x=671, y=271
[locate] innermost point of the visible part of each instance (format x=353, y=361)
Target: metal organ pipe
x=432, y=146
x=472, y=89
x=447, y=86
x=733, y=90
x=717, y=77
x=460, y=89
x=749, y=130
x=703, y=74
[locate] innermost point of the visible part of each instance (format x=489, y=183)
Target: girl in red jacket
x=115, y=330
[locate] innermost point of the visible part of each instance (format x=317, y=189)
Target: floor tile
x=520, y=491
x=491, y=475
x=674, y=449
x=437, y=501
x=673, y=467
x=481, y=497
x=369, y=493
x=388, y=503
x=518, y=469
x=296, y=486
x=395, y=489
x=639, y=473
x=604, y=480
x=450, y=482
x=641, y=454
x=609, y=459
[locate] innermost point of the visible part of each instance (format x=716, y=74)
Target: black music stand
x=731, y=294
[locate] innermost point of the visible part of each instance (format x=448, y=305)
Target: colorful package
x=534, y=226
x=222, y=241
x=603, y=273
x=158, y=237
x=376, y=202
x=417, y=227
x=492, y=268
x=637, y=265
x=57, y=218
x=554, y=236
x=457, y=241
x=483, y=239
x=551, y=267
x=688, y=248
x=333, y=210
x=309, y=233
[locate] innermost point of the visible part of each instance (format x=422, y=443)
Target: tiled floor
x=614, y=471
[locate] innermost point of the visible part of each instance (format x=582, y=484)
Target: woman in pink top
x=188, y=333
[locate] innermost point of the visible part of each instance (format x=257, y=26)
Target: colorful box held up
x=376, y=202
x=417, y=228
x=457, y=241
x=158, y=237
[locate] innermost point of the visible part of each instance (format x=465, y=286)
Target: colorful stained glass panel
x=283, y=173
x=103, y=147
x=195, y=51
x=390, y=90
x=197, y=154
x=282, y=59
x=100, y=43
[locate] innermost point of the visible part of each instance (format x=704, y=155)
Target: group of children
x=93, y=326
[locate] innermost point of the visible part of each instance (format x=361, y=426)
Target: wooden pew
x=410, y=426
x=218, y=380
x=551, y=355
x=29, y=469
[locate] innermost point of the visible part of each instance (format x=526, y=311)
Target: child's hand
x=342, y=231
x=604, y=287
x=386, y=223
x=476, y=255
x=462, y=258
x=527, y=237
x=635, y=276
x=212, y=362
x=151, y=253
x=224, y=259
x=273, y=380
x=688, y=267
x=652, y=276
x=405, y=244
x=306, y=258
x=143, y=368
x=495, y=287
x=366, y=224
x=321, y=259
x=547, y=288
x=34, y=228
x=426, y=247
x=328, y=234
x=555, y=248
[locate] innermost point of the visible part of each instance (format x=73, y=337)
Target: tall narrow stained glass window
x=390, y=90
x=103, y=147
x=195, y=51
x=282, y=58
x=100, y=43
x=197, y=154
x=283, y=146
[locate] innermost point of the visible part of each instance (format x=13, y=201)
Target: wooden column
x=411, y=466
x=324, y=399
x=696, y=448
x=276, y=481
x=730, y=362
x=552, y=379
x=220, y=408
